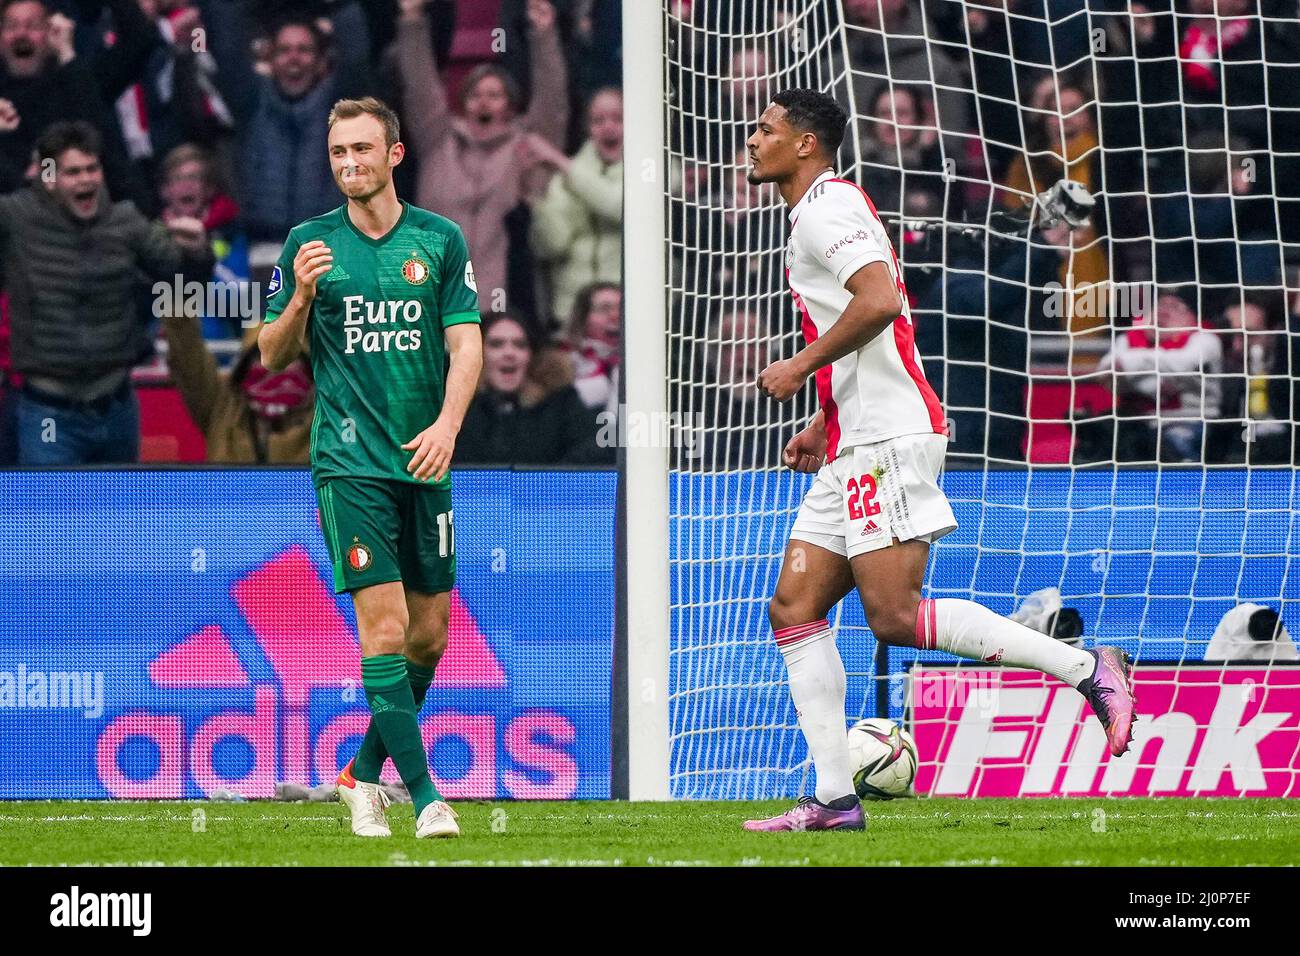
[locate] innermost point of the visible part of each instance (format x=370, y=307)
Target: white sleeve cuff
x=867, y=257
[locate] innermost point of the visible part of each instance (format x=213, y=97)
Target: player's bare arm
x=806, y=451
x=873, y=308
x=432, y=448
x=281, y=341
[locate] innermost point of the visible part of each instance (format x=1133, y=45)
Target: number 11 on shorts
x=446, y=535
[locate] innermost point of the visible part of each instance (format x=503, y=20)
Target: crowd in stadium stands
x=1181, y=116
x=518, y=417
x=179, y=140
x=188, y=136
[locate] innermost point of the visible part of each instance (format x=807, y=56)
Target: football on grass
x=884, y=759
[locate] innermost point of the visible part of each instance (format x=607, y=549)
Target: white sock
x=973, y=631
x=817, y=689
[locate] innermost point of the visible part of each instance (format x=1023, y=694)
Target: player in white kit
x=877, y=445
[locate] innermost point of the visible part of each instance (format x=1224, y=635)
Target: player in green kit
x=382, y=293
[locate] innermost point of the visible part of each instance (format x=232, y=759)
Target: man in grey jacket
x=71, y=260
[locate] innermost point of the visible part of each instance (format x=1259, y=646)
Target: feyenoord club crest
x=415, y=270
x=359, y=556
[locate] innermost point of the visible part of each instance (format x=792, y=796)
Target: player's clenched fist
x=432, y=452
x=313, y=260
x=782, y=380
x=805, y=451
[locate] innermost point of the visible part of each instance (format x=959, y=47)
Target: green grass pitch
x=928, y=832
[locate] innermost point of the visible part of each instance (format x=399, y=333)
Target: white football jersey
x=879, y=391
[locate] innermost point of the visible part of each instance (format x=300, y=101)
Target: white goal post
x=645, y=465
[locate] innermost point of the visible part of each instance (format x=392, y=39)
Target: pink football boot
x=808, y=814
x=1110, y=692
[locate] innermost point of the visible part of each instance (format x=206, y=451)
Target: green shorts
x=379, y=531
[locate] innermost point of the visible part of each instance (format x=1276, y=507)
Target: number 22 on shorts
x=861, y=498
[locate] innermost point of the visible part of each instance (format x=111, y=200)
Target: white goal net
x=1119, y=393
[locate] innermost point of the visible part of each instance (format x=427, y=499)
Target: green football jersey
x=375, y=335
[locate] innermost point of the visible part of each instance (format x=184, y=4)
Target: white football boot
x=367, y=801
x=437, y=820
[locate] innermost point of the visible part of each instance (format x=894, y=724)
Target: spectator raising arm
x=79, y=88
x=229, y=40
x=548, y=104
x=62, y=34
x=124, y=63
x=351, y=34
x=426, y=116
x=200, y=111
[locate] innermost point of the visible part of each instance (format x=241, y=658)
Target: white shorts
x=872, y=494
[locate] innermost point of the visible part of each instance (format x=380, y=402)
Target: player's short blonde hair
x=369, y=106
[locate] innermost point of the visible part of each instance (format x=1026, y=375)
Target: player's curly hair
x=815, y=112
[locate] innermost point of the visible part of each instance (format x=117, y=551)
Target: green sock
x=392, y=711
x=369, y=761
